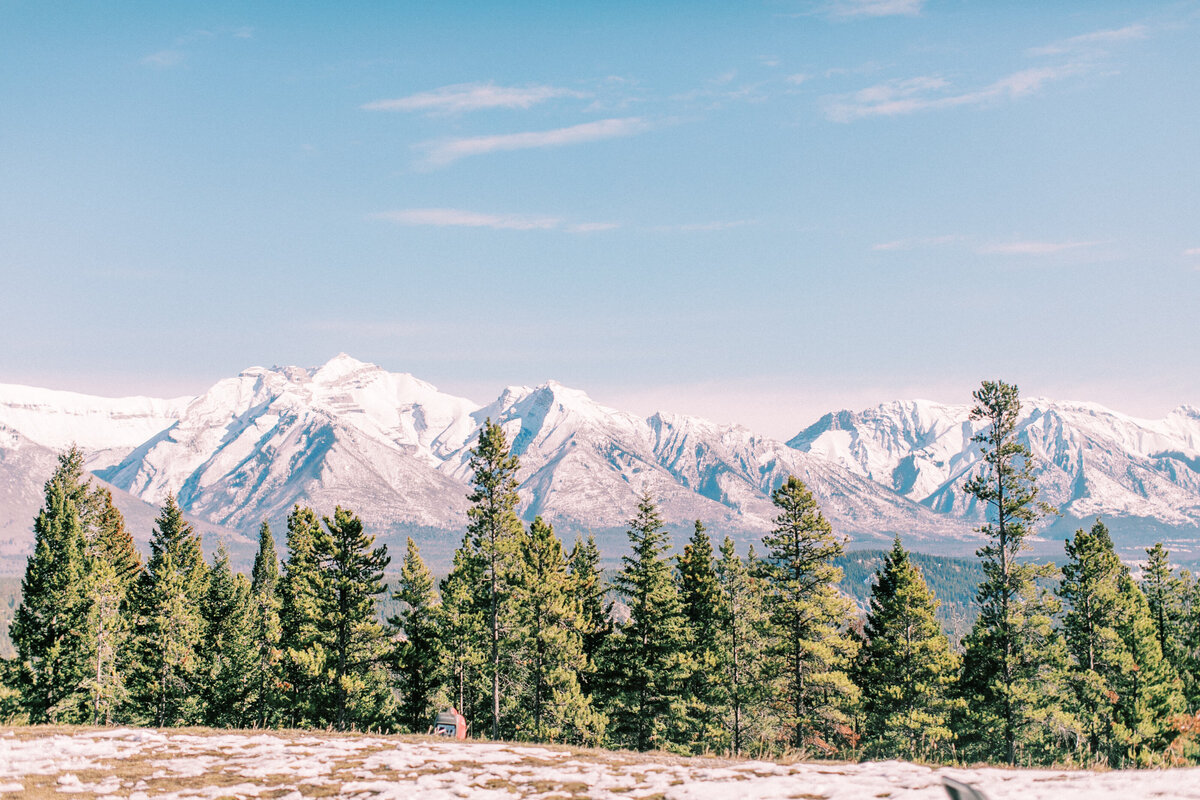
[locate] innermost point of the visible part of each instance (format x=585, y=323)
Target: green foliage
x=465, y=635
x=701, y=601
x=495, y=533
x=265, y=697
x=420, y=659
x=812, y=650
x=589, y=591
x=646, y=660
x=907, y=663
x=1015, y=661
x=167, y=670
x=228, y=649
x=302, y=653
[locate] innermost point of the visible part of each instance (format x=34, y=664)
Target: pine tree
x=303, y=658
x=593, y=621
x=112, y=566
x=1001, y=665
x=227, y=649
x=646, y=660
x=495, y=532
x=420, y=658
x=1164, y=596
x=168, y=671
x=464, y=634
x=551, y=706
x=1090, y=592
x=700, y=598
x=354, y=691
x=48, y=625
x=809, y=615
x=742, y=637
x=266, y=672
x=907, y=664
x=1148, y=691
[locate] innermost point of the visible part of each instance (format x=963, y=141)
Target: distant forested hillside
x=10, y=598
x=953, y=580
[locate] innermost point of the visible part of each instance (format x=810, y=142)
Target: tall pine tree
x=303, y=658
x=593, y=621
x=906, y=666
x=266, y=672
x=700, y=599
x=420, y=658
x=228, y=648
x=808, y=613
x=744, y=634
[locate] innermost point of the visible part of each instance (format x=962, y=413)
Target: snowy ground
x=137, y=763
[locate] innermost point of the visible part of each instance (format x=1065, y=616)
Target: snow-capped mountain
x=396, y=450
x=1090, y=461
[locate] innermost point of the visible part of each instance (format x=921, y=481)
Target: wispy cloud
x=455, y=217
x=907, y=96
x=1192, y=251
x=1096, y=40
x=164, y=59
x=1033, y=248
x=722, y=225
x=462, y=97
x=446, y=151
x=917, y=242
x=873, y=8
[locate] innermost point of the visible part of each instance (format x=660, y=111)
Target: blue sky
x=751, y=211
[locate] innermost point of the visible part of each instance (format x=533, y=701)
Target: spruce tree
x=906, y=666
x=1002, y=665
x=354, y=692
x=809, y=615
x=551, y=706
x=592, y=621
x=1091, y=596
x=1164, y=596
x=47, y=627
x=646, y=660
x=228, y=649
x=303, y=659
x=420, y=659
x=700, y=599
x=495, y=532
x=465, y=636
x=1148, y=691
x=167, y=672
x=266, y=678
x=743, y=636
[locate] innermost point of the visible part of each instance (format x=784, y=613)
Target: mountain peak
x=339, y=367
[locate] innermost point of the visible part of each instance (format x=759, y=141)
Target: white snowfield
x=140, y=763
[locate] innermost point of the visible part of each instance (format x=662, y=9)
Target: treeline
x=707, y=651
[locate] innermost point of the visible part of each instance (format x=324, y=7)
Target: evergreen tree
x=266, y=672
x=303, y=659
x=646, y=660
x=1148, y=692
x=465, y=636
x=354, y=691
x=228, y=649
x=907, y=664
x=1002, y=667
x=168, y=669
x=50, y=621
x=112, y=565
x=1164, y=596
x=495, y=532
x=551, y=706
x=589, y=590
x=701, y=599
x=809, y=616
x=742, y=637
x=419, y=657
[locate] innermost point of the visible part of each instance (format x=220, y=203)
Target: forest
x=707, y=651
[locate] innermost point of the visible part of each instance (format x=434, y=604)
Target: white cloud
x=245, y=32
x=447, y=151
x=1092, y=41
x=921, y=241
x=897, y=97
x=472, y=97
x=164, y=59
x=798, y=78
x=458, y=218
x=707, y=226
x=1192, y=251
x=874, y=8
x=1032, y=248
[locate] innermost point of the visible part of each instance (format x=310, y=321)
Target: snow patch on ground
x=143, y=764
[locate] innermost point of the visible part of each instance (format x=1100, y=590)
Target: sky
x=751, y=211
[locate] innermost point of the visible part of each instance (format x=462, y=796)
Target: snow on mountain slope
x=107, y=428
x=345, y=432
x=1090, y=460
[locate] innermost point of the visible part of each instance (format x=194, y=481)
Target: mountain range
x=396, y=450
